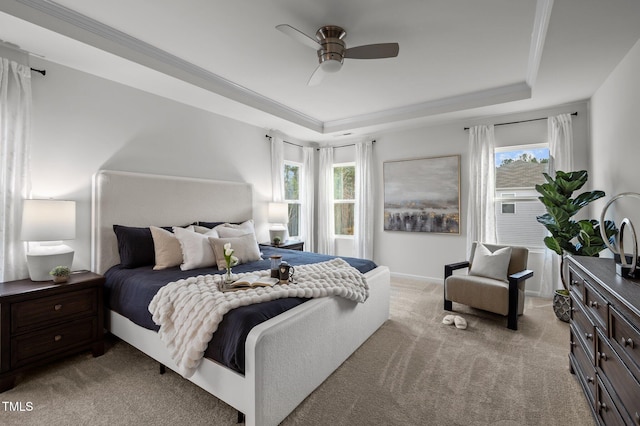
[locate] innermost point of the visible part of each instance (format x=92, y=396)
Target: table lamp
x=45, y=223
x=278, y=218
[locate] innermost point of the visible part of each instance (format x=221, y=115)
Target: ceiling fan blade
x=316, y=77
x=373, y=51
x=299, y=36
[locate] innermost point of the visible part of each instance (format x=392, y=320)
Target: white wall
x=616, y=140
x=83, y=124
x=424, y=255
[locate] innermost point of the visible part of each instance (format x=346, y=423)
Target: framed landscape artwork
x=422, y=195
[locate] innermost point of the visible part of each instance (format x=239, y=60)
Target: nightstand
x=289, y=245
x=42, y=321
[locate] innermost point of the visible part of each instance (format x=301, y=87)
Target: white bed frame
x=286, y=357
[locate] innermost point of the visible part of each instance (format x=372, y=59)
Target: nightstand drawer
x=46, y=310
x=44, y=343
x=576, y=283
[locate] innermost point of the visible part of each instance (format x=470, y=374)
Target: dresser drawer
x=626, y=386
x=46, y=310
x=42, y=344
x=606, y=409
x=584, y=327
x=576, y=284
x=596, y=305
x=626, y=336
x=585, y=368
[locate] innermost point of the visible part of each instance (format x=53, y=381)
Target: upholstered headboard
x=137, y=199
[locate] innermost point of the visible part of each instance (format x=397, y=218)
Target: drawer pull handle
x=57, y=307
x=574, y=282
x=590, y=379
x=602, y=356
x=58, y=337
x=589, y=336
x=602, y=406
x=594, y=304
x=627, y=342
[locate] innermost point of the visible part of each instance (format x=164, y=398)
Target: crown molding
x=55, y=17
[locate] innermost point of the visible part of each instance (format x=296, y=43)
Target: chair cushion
x=479, y=292
x=491, y=265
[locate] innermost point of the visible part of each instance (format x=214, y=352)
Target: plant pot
x=59, y=279
x=562, y=305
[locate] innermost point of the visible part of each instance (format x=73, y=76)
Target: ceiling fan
x=332, y=49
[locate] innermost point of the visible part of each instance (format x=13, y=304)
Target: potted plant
x=569, y=236
x=60, y=274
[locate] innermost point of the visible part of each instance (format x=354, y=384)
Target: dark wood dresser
x=605, y=339
x=43, y=321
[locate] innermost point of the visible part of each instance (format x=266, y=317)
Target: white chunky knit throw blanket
x=189, y=311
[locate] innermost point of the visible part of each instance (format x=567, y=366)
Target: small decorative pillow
x=228, y=230
x=245, y=248
x=491, y=265
x=196, y=250
x=167, y=248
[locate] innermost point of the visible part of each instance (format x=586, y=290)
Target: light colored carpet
x=413, y=371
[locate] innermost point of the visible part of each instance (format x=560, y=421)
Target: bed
x=287, y=356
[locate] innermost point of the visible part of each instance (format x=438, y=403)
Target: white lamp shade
x=278, y=213
x=48, y=220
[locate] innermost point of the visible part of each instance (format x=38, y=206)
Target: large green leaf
x=552, y=244
x=587, y=197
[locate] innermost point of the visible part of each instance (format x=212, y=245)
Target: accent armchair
x=495, y=284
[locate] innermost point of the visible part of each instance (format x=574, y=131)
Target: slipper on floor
x=448, y=320
x=460, y=322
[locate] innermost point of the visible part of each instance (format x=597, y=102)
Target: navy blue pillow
x=210, y=224
x=135, y=246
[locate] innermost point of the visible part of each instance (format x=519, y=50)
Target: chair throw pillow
x=491, y=265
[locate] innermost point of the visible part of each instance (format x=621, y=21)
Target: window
x=518, y=170
x=344, y=198
x=292, y=174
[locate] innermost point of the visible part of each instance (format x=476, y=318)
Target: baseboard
x=437, y=280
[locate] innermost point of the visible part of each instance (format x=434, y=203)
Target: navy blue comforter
x=129, y=292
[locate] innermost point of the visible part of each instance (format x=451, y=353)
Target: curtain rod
x=15, y=47
x=343, y=146
x=523, y=121
x=290, y=143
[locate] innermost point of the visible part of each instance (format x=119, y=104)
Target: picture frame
x=422, y=195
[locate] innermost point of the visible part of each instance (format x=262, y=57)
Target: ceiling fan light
x=331, y=65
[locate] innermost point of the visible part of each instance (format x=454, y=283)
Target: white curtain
x=481, y=218
x=277, y=168
x=307, y=197
x=326, y=239
x=15, y=122
x=560, y=137
x=363, y=232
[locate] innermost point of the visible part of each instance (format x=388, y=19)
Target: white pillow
x=228, y=230
x=166, y=247
x=204, y=230
x=491, y=265
x=245, y=248
x=196, y=250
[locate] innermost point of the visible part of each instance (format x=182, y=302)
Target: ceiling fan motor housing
x=332, y=47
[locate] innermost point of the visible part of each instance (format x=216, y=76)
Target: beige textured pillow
x=228, y=230
x=196, y=250
x=166, y=247
x=491, y=265
x=245, y=248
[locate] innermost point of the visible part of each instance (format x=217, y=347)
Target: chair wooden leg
x=512, y=316
x=448, y=306
x=512, y=320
